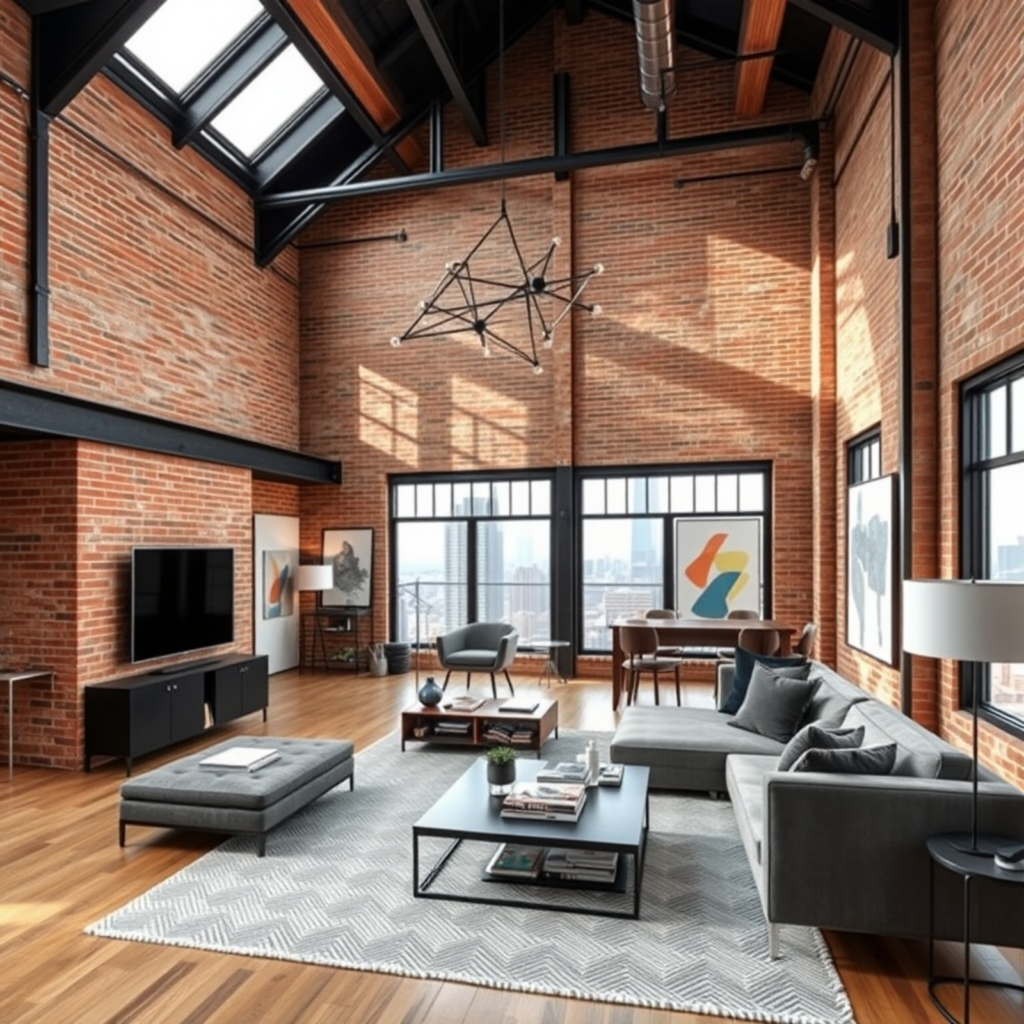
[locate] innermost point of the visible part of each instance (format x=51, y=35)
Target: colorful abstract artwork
x=870, y=557
x=718, y=566
x=279, y=584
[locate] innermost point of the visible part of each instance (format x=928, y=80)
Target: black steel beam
x=75, y=42
x=45, y=6
x=876, y=24
x=802, y=132
x=445, y=61
x=282, y=14
x=39, y=224
x=436, y=138
x=205, y=102
x=49, y=414
x=289, y=151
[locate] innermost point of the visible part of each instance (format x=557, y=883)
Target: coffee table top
x=613, y=816
x=489, y=709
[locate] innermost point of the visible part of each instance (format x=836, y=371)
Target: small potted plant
x=501, y=769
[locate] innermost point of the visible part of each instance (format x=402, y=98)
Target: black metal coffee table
x=615, y=818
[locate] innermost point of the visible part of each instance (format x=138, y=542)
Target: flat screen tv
x=183, y=599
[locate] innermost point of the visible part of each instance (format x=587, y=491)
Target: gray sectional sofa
x=839, y=851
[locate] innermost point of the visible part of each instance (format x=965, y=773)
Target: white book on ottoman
x=241, y=758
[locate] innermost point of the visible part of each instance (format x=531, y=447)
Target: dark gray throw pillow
x=774, y=703
x=817, y=737
x=859, y=761
x=743, y=668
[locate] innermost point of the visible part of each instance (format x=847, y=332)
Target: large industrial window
x=864, y=457
x=993, y=514
x=471, y=548
x=627, y=529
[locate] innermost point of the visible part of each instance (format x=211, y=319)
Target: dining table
x=696, y=633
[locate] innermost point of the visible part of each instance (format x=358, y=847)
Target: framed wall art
x=870, y=561
x=349, y=553
x=718, y=566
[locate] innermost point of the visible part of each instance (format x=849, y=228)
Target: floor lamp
x=967, y=620
x=319, y=578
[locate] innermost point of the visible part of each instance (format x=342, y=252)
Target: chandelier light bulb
x=538, y=369
x=547, y=340
x=556, y=241
x=396, y=342
x=598, y=268
x=595, y=310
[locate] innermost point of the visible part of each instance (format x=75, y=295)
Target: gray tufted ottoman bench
x=184, y=795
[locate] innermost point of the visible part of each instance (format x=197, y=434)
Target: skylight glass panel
x=184, y=36
x=268, y=101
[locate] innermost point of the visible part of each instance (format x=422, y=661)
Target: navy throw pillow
x=744, y=666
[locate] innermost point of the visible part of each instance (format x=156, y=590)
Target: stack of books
x=522, y=736
x=547, y=801
x=611, y=775
x=514, y=861
x=242, y=759
x=446, y=728
x=581, y=865
x=498, y=732
x=518, y=706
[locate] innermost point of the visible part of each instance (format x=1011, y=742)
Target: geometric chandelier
x=488, y=291
x=475, y=297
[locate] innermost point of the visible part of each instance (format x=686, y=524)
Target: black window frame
x=975, y=464
x=669, y=470
x=473, y=521
x=864, y=457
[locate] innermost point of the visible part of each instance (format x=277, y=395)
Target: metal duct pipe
x=655, y=36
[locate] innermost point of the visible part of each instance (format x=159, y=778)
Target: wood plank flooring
x=61, y=869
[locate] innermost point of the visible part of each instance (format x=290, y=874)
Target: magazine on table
x=520, y=707
x=552, y=801
x=515, y=861
x=563, y=771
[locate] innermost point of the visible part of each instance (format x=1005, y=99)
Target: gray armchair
x=479, y=647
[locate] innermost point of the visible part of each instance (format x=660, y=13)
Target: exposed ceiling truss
x=387, y=64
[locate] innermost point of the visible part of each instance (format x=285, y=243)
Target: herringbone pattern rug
x=336, y=888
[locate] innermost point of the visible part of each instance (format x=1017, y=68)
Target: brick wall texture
x=744, y=317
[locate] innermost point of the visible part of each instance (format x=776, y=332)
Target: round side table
x=550, y=670
x=952, y=851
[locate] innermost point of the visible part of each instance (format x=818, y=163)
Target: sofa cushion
x=743, y=669
x=853, y=761
x=817, y=737
x=775, y=703
x=919, y=752
x=832, y=699
x=745, y=775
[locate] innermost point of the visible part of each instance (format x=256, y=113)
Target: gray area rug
x=336, y=888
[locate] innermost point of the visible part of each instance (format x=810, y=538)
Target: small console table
x=952, y=852
x=10, y=676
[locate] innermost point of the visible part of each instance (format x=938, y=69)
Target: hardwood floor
x=61, y=869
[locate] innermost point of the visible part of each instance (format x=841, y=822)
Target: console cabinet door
x=238, y=688
x=148, y=719
x=187, y=697
x=255, y=685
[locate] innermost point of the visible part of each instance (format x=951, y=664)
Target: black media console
x=139, y=714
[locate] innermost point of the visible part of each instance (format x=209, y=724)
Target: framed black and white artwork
x=870, y=567
x=349, y=553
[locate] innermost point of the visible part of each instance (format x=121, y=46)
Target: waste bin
x=398, y=657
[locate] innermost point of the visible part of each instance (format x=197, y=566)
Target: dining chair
x=806, y=641
x=667, y=650
x=728, y=653
x=640, y=645
x=759, y=641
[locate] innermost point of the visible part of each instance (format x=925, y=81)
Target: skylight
x=184, y=36
x=268, y=101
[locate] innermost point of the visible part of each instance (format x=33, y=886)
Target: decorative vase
x=501, y=777
x=430, y=693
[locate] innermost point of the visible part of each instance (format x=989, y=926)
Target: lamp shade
x=964, y=620
x=316, y=577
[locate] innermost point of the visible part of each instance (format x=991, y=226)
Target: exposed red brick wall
x=156, y=303
x=273, y=499
x=702, y=351
x=980, y=103
x=867, y=317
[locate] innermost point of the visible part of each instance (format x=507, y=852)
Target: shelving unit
x=331, y=631
x=542, y=722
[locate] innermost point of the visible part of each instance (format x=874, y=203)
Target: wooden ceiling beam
x=341, y=44
x=760, y=28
